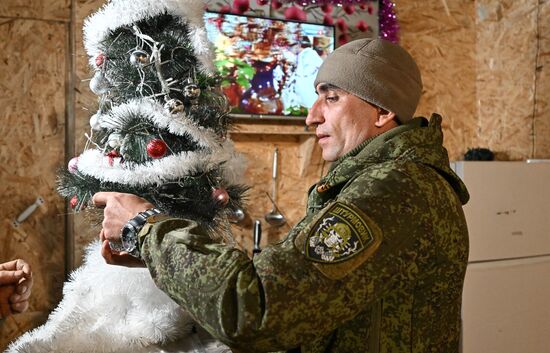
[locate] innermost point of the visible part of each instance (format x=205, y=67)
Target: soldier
x=376, y=265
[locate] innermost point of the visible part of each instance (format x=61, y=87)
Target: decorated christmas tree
x=160, y=128
x=159, y=133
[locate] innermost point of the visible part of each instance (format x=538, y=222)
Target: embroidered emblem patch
x=338, y=236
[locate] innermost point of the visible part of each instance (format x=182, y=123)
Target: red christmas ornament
x=112, y=155
x=343, y=38
x=295, y=13
x=349, y=9
x=371, y=9
x=276, y=4
x=262, y=2
x=100, y=59
x=327, y=8
x=220, y=196
x=363, y=6
x=73, y=202
x=241, y=6
x=342, y=25
x=156, y=148
x=362, y=26
x=327, y=20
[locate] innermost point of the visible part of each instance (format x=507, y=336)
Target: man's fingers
x=19, y=307
x=9, y=266
x=24, y=266
x=11, y=277
x=100, y=198
x=23, y=290
x=106, y=252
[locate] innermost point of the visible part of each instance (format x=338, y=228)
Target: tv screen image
x=268, y=66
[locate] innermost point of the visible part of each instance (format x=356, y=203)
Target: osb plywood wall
x=442, y=40
x=33, y=70
x=485, y=66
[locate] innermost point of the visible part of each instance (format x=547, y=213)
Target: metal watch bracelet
x=128, y=234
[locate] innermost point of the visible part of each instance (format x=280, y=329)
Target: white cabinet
x=506, y=298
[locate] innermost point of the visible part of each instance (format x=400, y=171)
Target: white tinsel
x=107, y=309
x=214, y=155
x=118, y=13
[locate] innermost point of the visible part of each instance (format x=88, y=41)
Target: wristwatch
x=129, y=235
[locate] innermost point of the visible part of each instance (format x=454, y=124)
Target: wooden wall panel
x=440, y=35
x=32, y=111
x=300, y=165
x=58, y=10
x=506, y=54
x=542, y=98
x=86, y=105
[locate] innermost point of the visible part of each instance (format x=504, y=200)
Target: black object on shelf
x=257, y=237
x=479, y=154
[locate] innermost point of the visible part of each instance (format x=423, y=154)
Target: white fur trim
x=118, y=13
x=108, y=309
x=215, y=154
x=178, y=124
x=169, y=168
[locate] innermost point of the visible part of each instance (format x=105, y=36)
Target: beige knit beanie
x=375, y=70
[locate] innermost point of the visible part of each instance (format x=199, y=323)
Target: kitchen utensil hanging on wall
x=275, y=217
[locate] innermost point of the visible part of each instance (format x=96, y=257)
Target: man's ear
x=384, y=117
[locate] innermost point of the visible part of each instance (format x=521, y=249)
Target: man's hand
x=15, y=287
x=119, y=209
x=117, y=258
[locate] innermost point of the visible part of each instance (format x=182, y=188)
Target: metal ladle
x=237, y=216
x=274, y=217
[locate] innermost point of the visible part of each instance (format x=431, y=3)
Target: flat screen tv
x=268, y=66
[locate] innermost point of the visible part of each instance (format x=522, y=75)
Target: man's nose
x=314, y=116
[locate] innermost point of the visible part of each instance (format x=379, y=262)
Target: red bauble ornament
x=73, y=202
x=343, y=38
x=100, y=59
x=262, y=2
x=156, y=148
x=276, y=4
x=220, y=196
x=112, y=155
x=362, y=26
x=349, y=9
x=327, y=20
x=371, y=9
x=241, y=6
x=295, y=13
x=327, y=8
x=342, y=25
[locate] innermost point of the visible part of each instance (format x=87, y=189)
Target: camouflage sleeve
x=284, y=297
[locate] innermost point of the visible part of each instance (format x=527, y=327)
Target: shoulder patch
x=341, y=238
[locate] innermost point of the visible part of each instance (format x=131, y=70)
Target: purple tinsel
x=325, y=2
x=387, y=21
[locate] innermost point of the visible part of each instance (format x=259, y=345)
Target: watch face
x=129, y=238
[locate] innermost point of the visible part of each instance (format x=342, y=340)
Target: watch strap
x=136, y=224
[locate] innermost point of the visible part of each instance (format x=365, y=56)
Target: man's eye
x=332, y=98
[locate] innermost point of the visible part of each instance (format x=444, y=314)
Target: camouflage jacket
x=376, y=265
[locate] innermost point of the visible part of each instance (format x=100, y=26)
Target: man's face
x=342, y=121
